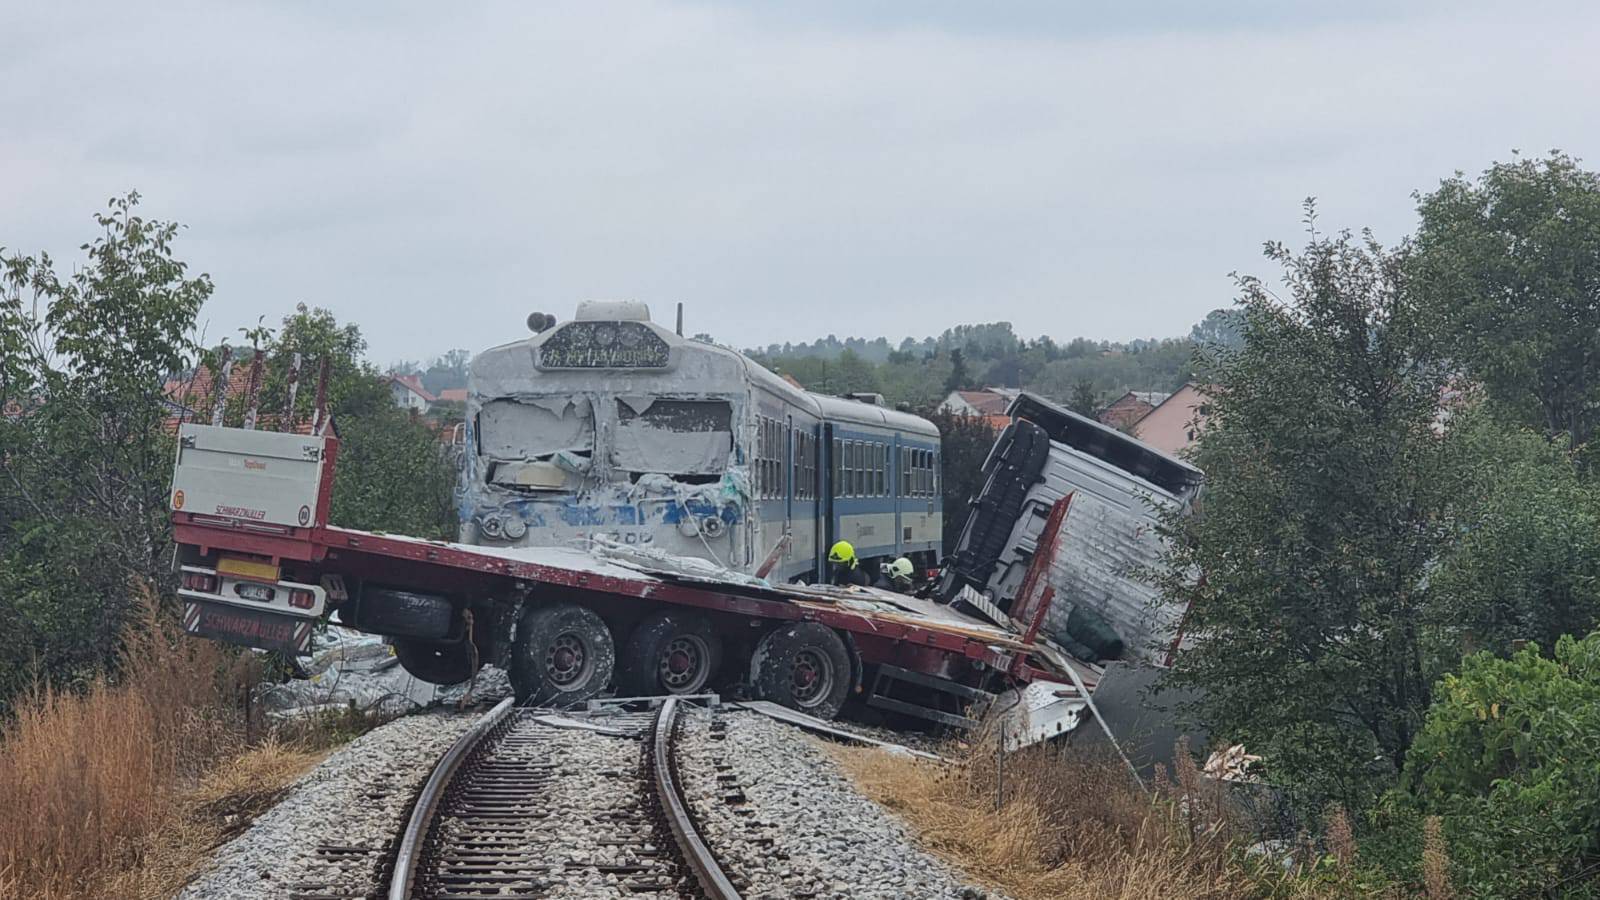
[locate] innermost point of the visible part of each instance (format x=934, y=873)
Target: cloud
x=785, y=171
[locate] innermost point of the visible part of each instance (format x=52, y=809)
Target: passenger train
x=612, y=426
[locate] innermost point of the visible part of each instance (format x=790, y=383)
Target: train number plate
x=249, y=627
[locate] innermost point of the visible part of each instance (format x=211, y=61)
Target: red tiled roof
x=200, y=390
x=414, y=384
x=986, y=402
x=264, y=422
x=453, y=395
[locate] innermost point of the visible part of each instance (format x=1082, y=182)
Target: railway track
x=512, y=810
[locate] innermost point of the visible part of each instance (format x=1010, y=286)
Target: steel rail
x=707, y=872
x=410, y=851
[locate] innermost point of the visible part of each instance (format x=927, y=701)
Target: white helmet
x=900, y=568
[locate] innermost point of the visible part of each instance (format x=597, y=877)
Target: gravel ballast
x=786, y=822
x=777, y=811
x=330, y=833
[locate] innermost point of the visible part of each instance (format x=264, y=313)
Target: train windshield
x=672, y=437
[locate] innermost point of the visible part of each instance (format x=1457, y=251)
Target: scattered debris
x=1233, y=764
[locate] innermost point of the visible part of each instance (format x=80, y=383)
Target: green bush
x=1509, y=758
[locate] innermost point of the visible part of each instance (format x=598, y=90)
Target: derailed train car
x=610, y=426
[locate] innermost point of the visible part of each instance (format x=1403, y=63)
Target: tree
x=1083, y=401
x=1510, y=270
x=84, y=459
x=393, y=474
x=448, y=371
x=1525, y=565
x=1221, y=328
x=958, y=377
x=964, y=443
x=1327, y=488
x=1508, y=758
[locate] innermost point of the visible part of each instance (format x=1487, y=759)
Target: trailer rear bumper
x=261, y=629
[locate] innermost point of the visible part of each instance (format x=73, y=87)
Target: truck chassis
x=261, y=566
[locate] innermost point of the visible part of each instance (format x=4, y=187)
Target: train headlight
x=490, y=526
x=711, y=527
x=514, y=528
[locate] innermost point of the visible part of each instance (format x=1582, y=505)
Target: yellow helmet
x=900, y=568
x=842, y=553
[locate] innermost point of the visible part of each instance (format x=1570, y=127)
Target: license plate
x=249, y=627
x=260, y=592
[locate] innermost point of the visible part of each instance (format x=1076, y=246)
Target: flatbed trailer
x=261, y=566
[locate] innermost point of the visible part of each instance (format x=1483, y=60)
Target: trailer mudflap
x=248, y=627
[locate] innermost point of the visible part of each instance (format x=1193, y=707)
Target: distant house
x=1176, y=421
x=408, y=393
x=1130, y=408
x=991, y=401
x=453, y=395
x=793, y=381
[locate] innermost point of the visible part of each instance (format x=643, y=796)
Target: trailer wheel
x=563, y=654
x=669, y=653
x=804, y=666
x=439, y=662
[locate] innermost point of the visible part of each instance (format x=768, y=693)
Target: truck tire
x=439, y=662
x=804, y=666
x=669, y=652
x=563, y=654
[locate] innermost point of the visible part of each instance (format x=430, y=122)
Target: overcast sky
x=434, y=172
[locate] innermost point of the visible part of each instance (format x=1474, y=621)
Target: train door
x=789, y=481
x=896, y=463
x=827, y=488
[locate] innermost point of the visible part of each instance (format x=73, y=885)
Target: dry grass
x=119, y=790
x=223, y=805
x=1067, y=828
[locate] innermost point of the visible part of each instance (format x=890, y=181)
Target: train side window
x=802, y=487
x=880, y=458
x=800, y=466
x=837, y=484
x=811, y=466
x=762, y=478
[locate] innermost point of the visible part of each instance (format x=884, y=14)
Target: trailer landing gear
x=669, y=652
x=804, y=666
x=563, y=655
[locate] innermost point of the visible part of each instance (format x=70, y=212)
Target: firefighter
x=895, y=576
x=843, y=567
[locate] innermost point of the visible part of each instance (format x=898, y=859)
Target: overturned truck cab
x=1059, y=545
